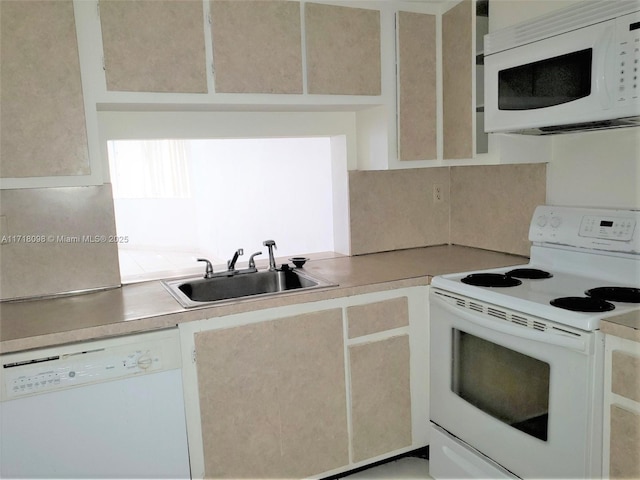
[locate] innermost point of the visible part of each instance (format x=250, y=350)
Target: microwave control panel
x=628, y=57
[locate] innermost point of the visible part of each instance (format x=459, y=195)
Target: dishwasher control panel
x=46, y=371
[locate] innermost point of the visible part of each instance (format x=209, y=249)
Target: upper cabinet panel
x=43, y=130
x=457, y=60
x=257, y=46
x=417, y=86
x=154, y=45
x=343, y=50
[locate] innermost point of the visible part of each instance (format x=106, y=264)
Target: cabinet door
x=257, y=46
x=417, y=121
x=42, y=120
x=625, y=443
x=343, y=50
x=272, y=397
x=375, y=317
x=154, y=45
x=621, y=408
x=457, y=59
x=380, y=397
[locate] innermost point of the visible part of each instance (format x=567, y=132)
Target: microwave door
x=554, y=81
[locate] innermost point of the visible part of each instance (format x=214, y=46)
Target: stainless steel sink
x=197, y=291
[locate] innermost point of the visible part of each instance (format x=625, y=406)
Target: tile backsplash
x=396, y=209
x=488, y=206
x=492, y=205
x=57, y=240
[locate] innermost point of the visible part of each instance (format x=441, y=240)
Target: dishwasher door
x=115, y=425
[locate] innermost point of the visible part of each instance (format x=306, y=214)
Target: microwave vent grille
x=557, y=22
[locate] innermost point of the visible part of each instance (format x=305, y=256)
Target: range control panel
x=614, y=228
x=44, y=371
x=598, y=229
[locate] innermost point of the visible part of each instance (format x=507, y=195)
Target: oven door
x=522, y=391
x=566, y=79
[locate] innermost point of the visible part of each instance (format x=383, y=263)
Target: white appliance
x=571, y=70
x=106, y=409
x=516, y=363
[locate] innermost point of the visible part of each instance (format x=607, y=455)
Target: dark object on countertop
x=299, y=261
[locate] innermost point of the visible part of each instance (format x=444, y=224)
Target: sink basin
x=198, y=291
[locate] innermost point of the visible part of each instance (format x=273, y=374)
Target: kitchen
x=526, y=170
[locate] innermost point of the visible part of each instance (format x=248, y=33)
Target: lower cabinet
x=307, y=390
x=621, y=408
x=380, y=397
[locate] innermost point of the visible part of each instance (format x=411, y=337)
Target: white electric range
x=517, y=355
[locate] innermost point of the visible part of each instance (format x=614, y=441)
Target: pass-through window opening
x=176, y=200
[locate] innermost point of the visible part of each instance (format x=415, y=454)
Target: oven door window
x=509, y=386
x=546, y=83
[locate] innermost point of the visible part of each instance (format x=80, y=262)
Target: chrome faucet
x=271, y=244
x=252, y=262
x=209, y=269
x=231, y=264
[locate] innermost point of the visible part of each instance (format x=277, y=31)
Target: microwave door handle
x=502, y=326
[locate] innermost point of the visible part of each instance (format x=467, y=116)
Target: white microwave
x=575, y=69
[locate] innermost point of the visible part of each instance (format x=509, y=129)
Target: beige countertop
x=147, y=306
x=626, y=325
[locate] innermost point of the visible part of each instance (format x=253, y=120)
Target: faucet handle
x=209, y=269
x=270, y=243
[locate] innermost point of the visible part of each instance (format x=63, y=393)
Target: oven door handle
x=560, y=338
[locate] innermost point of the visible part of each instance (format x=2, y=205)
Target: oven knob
x=144, y=361
x=542, y=220
x=555, y=222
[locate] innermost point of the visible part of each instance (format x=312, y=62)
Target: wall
x=585, y=169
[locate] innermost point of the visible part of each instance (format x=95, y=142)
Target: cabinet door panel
x=625, y=381
x=240, y=414
x=378, y=316
x=154, y=45
x=380, y=397
x=417, y=86
x=312, y=393
x=625, y=444
x=257, y=46
x=456, y=81
x=42, y=124
x=343, y=50
x=273, y=397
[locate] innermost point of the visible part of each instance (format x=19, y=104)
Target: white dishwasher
x=111, y=408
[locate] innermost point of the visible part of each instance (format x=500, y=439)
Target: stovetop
x=534, y=296
x=574, y=250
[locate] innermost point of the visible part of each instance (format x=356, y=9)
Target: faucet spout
x=209, y=270
x=271, y=244
x=231, y=264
